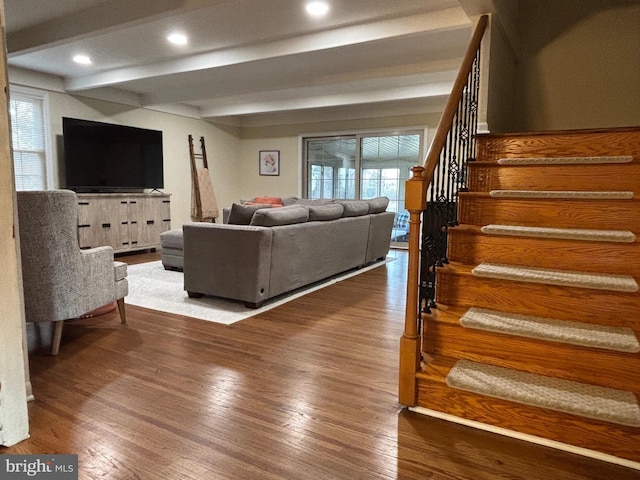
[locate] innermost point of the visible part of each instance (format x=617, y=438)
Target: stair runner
x=621, y=339
x=590, y=401
x=623, y=236
x=603, y=281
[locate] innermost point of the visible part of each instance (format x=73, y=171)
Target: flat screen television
x=104, y=157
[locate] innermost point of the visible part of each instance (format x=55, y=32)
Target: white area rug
x=151, y=286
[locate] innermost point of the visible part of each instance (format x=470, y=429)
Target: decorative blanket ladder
x=203, y=200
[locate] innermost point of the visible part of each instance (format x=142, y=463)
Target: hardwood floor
x=307, y=390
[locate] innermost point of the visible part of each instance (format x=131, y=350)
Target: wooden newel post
x=415, y=203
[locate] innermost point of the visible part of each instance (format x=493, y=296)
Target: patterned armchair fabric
x=61, y=281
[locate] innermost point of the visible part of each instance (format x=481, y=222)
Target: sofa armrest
x=231, y=261
x=379, y=235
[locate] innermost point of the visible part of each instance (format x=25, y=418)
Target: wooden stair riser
x=623, y=141
x=484, y=177
x=542, y=300
x=571, y=362
x=611, y=439
x=470, y=246
x=480, y=209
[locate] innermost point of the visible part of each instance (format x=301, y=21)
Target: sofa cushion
x=272, y=217
x=354, y=208
x=289, y=200
x=171, y=239
x=318, y=213
x=241, y=214
x=378, y=204
x=314, y=201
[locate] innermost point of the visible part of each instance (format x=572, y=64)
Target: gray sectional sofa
x=281, y=249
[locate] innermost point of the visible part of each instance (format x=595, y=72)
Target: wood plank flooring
x=307, y=390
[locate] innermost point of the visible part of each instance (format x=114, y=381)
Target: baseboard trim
x=29, y=389
x=528, y=438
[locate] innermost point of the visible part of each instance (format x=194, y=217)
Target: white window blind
x=27, y=111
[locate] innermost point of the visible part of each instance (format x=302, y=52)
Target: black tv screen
x=104, y=157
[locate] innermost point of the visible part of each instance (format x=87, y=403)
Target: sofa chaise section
x=255, y=263
x=231, y=261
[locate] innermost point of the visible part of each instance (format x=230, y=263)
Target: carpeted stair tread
x=621, y=236
x=560, y=194
x=620, y=339
x=565, y=160
x=618, y=283
x=591, y=401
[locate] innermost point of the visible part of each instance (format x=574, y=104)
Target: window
x=331, y=167
x=363, y=166
x=27, y=109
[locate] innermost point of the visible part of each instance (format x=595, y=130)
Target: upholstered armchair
x=61, y=281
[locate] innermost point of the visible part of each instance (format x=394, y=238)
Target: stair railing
x=432, y=192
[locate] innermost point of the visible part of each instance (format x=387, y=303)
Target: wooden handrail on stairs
x=415, y=203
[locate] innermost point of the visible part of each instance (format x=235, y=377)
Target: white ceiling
x=248, y=61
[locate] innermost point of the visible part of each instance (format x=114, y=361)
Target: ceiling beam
x=308, y=98
x=443, y=20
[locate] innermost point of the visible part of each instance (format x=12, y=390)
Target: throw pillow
x=354, y=208
x=378, y=204
x=321, y=213
x=272, y=217
x=241, y=214
x=266, y=205
x=272, y=200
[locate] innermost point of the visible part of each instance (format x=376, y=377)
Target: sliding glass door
x=364, y=166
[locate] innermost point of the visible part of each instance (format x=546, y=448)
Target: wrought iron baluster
x=449, y=178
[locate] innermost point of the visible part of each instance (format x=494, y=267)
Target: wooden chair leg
x=57, y=337
x=123, y=315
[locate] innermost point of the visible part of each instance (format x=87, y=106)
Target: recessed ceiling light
x=177, y=38
x=317, y=8
x=83, y=59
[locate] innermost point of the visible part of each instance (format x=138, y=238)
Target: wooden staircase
x=445, y=341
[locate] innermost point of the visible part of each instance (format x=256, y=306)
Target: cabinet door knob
x=106, y=225
x=150, y=222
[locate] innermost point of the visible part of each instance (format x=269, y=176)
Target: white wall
x=252, y=184
x=501, y=77
x=580, y=65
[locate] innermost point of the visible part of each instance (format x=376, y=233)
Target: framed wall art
x=269, y=162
